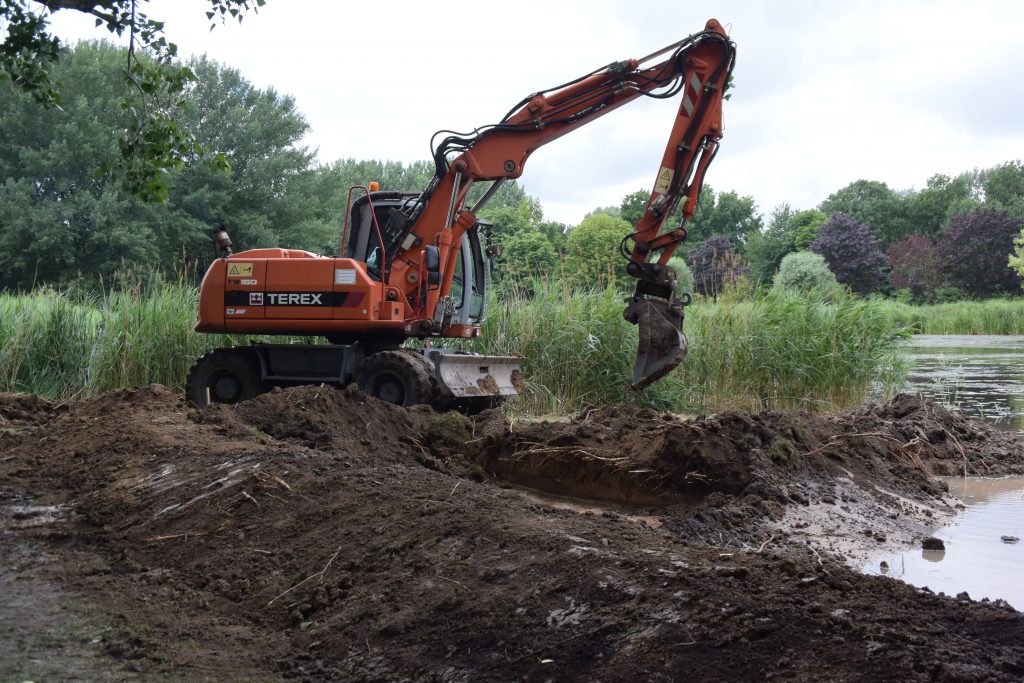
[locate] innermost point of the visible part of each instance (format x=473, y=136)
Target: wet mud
x=315, y=534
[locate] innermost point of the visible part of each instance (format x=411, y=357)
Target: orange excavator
x=417, y=264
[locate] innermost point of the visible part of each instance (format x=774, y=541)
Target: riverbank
x=317, y=534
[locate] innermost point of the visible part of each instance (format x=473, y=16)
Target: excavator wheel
x=223, y=376
x=396, y=377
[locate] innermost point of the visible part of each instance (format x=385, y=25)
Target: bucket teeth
x=662, y=343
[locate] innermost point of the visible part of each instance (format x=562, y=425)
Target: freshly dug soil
x=316, y=534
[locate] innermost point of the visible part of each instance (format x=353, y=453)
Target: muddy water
x=979, y=375
x=981, y=557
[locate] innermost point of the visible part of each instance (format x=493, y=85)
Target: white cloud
x=826, y=93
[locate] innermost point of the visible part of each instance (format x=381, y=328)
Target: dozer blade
x=662, y=342
x=469, y=374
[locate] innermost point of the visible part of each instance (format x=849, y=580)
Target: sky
x=825, y=93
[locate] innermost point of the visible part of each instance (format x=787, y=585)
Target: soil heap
x=317, y=534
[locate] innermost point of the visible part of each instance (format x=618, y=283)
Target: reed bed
x=770, y=351
x=992, y=316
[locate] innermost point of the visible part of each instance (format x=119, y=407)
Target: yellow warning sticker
x=239, y=270
x=664, y=180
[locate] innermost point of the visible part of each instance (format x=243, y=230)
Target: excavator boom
x=696, y=70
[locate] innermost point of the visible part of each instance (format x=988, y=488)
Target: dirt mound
x=317, y=534
x=625, y=454
x=24, y=408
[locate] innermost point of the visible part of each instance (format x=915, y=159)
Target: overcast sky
x=825, y=92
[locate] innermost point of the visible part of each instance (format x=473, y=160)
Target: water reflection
x=976, y=558
x=979, y=375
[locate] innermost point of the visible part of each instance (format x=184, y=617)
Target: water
x=979, y=375
x=976, y=558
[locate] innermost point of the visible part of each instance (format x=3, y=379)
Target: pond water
x=981, y=556
x=981, y=376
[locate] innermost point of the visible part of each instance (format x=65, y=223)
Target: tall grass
x=770, y=351
x=73, y=344
x=993, y=316
x=773, y=351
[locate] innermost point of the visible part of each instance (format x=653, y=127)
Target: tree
x=726, y=215
x=528, y=253
x=973, y=251
x=805, y=226
x=787, y=232
x=152, y=141
x=59, y=220
x=912, y=267
x=715, y=265
x=852, y=252
x=930, y=209
x=803, y=271
x=633, y=206
x=684, y=276
x=1017, y=257
x=507, y=222
x=1003, y=185
x=874, y=204
x=592, y=251
x=612, y=211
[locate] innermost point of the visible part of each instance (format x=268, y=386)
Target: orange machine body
x=289, y=291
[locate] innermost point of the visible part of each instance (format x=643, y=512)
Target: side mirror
x=432, y=262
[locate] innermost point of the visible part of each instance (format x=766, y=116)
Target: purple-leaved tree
x=973, y=252
x=852, y=252
x=913, y=266
x=715, y=265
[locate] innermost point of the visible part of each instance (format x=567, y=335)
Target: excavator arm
x=695, y=70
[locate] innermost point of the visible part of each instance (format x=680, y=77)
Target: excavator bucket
x=662, y=342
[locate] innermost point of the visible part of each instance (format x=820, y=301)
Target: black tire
x=398, y=377
x=223, y=376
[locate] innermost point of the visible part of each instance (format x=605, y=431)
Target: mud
x=315, y=534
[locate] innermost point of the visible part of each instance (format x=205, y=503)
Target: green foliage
x=776, y=351
x=73, y=344
x=872, y=203
x=633, y=206
x=613, y=211
x=153, y=142
x=1017, y=257
x=1003, y=185
x=528, y=253
x=62, y=221
x=930, y=209
x=592, y=255
x=507, y=222
x=726, y=214
x=804, y=271
x=993, y=316
x=684, y=276
x=805, y=226
x=788, y=231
